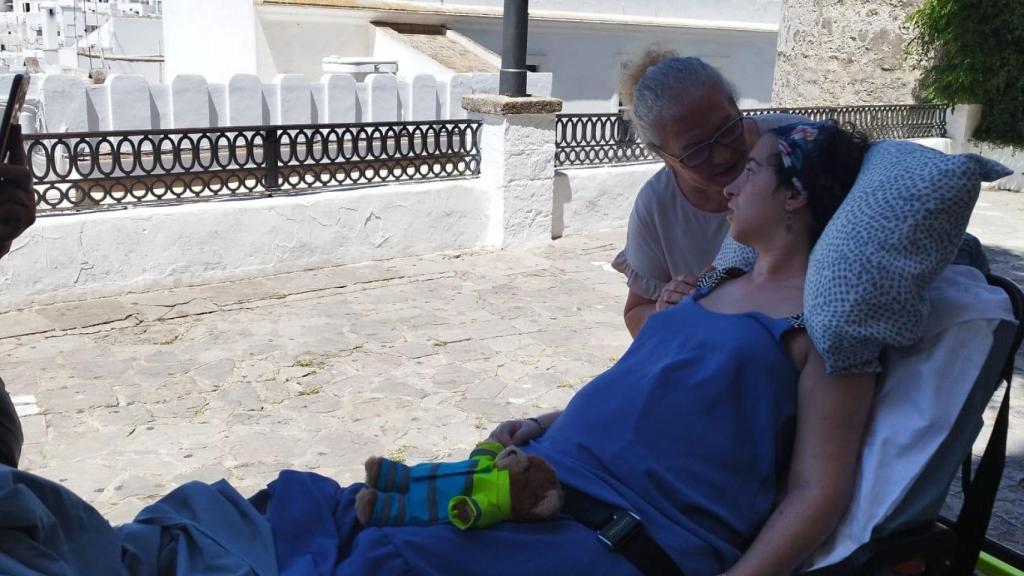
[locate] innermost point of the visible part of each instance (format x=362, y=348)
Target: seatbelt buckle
x=623, y=526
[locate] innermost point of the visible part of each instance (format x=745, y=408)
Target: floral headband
x=795, y=141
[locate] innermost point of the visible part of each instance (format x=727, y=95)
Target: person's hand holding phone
x=17, y=197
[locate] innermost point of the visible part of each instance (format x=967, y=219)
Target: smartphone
x=12, y=112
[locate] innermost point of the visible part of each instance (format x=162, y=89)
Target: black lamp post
x=512, y=78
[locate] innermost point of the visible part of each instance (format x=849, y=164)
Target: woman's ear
x=795, y=199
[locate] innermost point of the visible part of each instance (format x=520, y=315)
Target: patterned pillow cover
x=732, y=254
x=897, y=230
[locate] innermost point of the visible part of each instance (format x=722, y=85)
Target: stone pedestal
x=518, y=163
x=961, y=121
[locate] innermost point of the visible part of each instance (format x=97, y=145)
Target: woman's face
x=697, y=123
x=757, y=205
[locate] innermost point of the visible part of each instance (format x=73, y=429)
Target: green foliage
x=973, y=51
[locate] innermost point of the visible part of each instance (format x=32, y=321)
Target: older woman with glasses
x=685, y=111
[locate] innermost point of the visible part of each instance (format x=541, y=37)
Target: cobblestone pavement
x=415, y=358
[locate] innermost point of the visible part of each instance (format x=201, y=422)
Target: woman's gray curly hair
x=658, y=83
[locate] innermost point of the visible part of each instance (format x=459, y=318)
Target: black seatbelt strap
x=620, y=530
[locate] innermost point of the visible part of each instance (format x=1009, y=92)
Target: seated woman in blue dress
x=717, y=443
x=719, y=428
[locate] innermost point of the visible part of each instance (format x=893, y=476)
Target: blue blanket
x=196, y=529
x=303, y=524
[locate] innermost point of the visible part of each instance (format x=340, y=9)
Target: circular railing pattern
x=95, y=170
x=596, y=139
x=879, y=121
x=588, y=139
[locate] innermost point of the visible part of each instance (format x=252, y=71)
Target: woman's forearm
x=637, y=316
x=800, y=524
x=832, y=412
x=546, y=420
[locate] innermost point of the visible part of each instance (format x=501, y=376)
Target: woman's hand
x=17, y=197
x=516, y=432
x=676, y=289
x=519, y=432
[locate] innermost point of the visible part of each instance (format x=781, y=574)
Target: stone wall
x=836, y=52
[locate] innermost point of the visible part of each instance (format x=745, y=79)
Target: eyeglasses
x=698, y=154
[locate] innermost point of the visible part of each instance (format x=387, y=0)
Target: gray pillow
x=900, y=226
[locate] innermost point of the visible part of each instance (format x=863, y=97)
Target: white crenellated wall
x=341, y=102
x=126, y=92
x=245, y=100
x=294, y=99
x=128, y=102
x=190, y=102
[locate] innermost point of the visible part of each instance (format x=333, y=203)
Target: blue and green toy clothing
x=429, y=493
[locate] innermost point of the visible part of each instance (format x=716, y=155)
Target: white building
x=80, y=36
x=584, y=44
x=125, y=44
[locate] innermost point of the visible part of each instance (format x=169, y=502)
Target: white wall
x=585, y=58
x=214, y=38
x=295, y=41
x=738, y=11
x=388, y=44
x=134, y=36
x=587, y=61
x=83, y=256
x=596, y=198
x=754, y=11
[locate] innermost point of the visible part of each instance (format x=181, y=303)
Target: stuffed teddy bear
x=495, y=484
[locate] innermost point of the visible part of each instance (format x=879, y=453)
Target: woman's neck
x=783, y=260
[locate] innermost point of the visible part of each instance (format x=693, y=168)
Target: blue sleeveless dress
x=692, y=430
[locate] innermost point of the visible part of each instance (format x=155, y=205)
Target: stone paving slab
x=415, y=358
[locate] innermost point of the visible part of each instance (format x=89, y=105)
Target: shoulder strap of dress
x=796, y=322
x=779, y=327
x=710, y=280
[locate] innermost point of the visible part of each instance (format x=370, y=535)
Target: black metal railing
x=591, y=139
x=595, y=139
x=95, y=170
x=880, y=121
